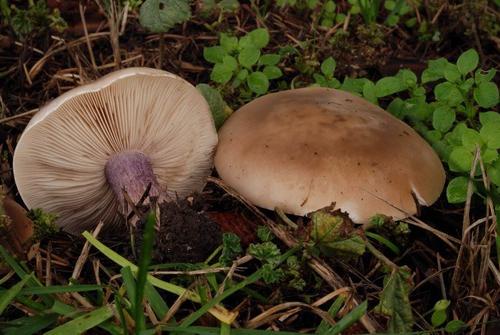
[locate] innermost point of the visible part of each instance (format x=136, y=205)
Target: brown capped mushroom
x=303, y=149
x=125, y=131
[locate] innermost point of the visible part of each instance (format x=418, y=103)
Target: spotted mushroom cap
x=304, y=149
x=60, y=158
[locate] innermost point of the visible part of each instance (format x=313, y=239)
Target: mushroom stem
x=131, y=171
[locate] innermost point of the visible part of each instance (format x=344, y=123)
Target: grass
x=451, y=253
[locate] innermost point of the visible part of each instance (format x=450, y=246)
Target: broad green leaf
x=369, y=92
x=489, y=155
x=438, y=318
x=494, y=172
x=269, y=59
x=451, y=72
x=434, y=71
x=248, y=57
x=466, y=85
x=214, y=54
x=159, y=16
x=397, y=108
x=460, y=159
x=260, y=37
x=490, y=133
x=433, y=135
x=441, y=305
x=246, y=42
x=31, y=324
x=471, y=139
x=229, y=43
x=258, y=82
x=320, y=79
x=454, y=326
x=228, y=5
x=448, y=93
x=486, y=94
x=443, y=118
x=353, y=85
x=230, y=62
x=334, y=234
x=456, y=192
x=408, y=77
x=218, y=107
x=468, y=61
x=272, y=72
x=389, y=85
x=455, y=136
x=489, y=117
x=481, y=76
x=394, y=300
x=221, y=74
x=328, y=67
x=443, y=149
x=242, y=75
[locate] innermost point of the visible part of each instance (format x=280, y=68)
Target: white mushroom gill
x=60, y=162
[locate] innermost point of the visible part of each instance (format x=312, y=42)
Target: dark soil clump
x=185, y=234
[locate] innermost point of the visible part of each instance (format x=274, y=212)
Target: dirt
x=186, y=233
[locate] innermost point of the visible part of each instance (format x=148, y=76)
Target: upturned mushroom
x=126, y=131
x=302, y=150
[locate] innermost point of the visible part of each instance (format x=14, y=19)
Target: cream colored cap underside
x=304, y=149
x=59, y=161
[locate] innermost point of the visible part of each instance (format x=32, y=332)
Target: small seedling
x=241, y=64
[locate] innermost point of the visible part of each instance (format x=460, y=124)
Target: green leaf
x=259, y=37
x=490, y=133
x=353, y=85
x=228, y=5
x=231, y=247
x=214, y=54
x=328, y=67
x=369, y=92
x=489, y=155
x=389, y=85
x=468, y=61
x=272, y=72
x=31, y=324
x=394, y=301
x=460, y=159
x=258, y=82
x=228, y=43
x=269, y=59
x=441, y=305
x=159, y=16
x=434, y=71
x=454, y=326
x=489, y=117
x=456, y=192
x=248, y=57
x=83, y=323
x=438, y=318
x=486, y=94
x=448, y=93
x=494, y=172
x=242, y=75
x=397, y=108
x=471, y=139
x=230, y=62
x=451, y=72
x=220, y=110
x=482, y=76
x=408, y=77
x=221, y=73
x=443, y=118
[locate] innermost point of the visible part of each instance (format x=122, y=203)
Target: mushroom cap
x=304, y=149
x=59, y=161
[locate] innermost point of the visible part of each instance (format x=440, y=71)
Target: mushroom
x=302, y=150
x=126, y=131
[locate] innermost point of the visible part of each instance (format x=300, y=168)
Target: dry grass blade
x=85, y=253
x=318, y=265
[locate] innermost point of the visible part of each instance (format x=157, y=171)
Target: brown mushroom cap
x=150, y=124
x=303, y=149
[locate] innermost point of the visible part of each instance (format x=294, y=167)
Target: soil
x=186, y=233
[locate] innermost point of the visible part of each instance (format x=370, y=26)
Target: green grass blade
x=382, y=240
x=247, y=281
x=130, y=285
x=348, y=320
x=216, y=331
x=29, y=325
x=225, y=329
x=159, y=306
x=84, y=322
x=59, y=289
x=142, y=273
x=333, y=310
x=119, y=309
x=9, y=295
